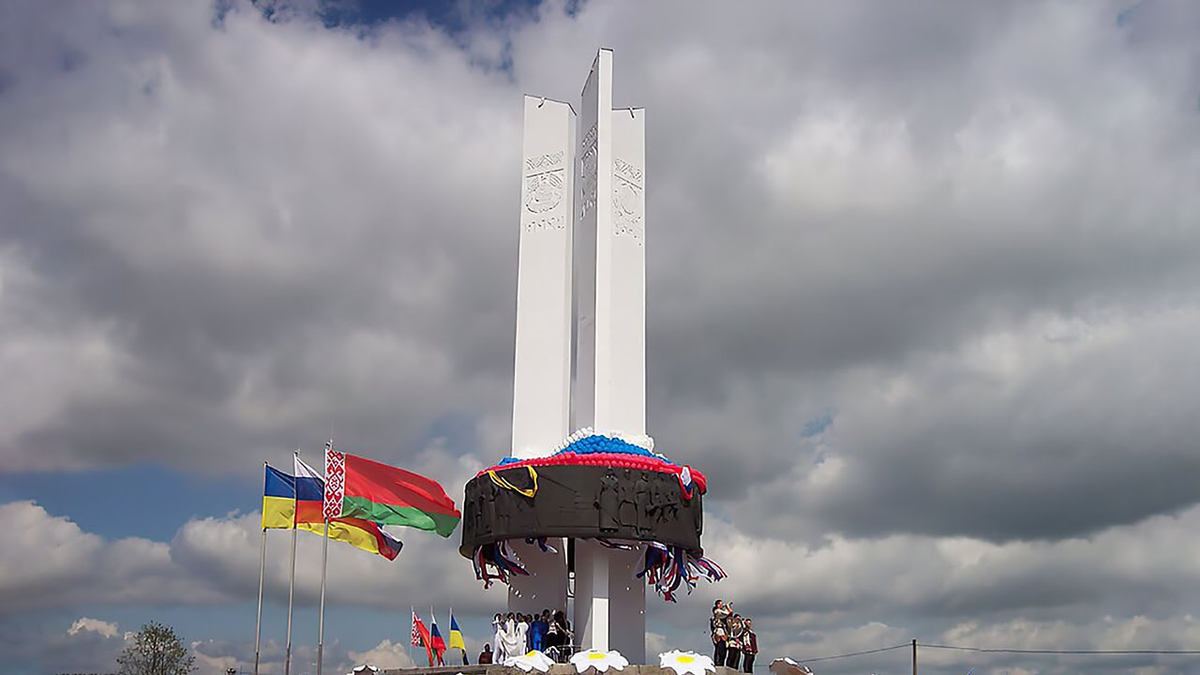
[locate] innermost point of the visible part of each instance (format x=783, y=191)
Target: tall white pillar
x=610, y=365
x=542, y=379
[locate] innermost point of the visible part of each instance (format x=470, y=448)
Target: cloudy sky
x=923, y=301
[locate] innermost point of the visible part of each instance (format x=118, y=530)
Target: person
x=512, y=640
x=717, y=626
x=537, y=631
x=485, y=656
x=559, y=637
x=749, y=647
x=498, y=637
x=554, y=637
x=733, y=643
x=522, y=637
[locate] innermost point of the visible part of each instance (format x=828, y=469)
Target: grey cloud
x=233, y=261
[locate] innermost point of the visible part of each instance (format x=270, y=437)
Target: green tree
x=156, y=650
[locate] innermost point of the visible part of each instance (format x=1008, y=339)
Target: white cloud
x=105, y=628
x=52, y=563
x=384, y=655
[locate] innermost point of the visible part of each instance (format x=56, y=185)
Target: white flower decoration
x=531, y=661
x=601, y=661
x=787, y=666
x=686, y=663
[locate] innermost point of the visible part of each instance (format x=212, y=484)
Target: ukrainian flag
x=279, y=500
x=456, y=638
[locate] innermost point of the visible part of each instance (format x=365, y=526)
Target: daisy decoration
x=530, y=661
x=686, y=663
x=602, y=661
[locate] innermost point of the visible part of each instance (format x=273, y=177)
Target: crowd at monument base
x=556, y=669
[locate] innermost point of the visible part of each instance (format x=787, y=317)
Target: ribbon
x=499, y=556
x=503, y=482
x=667, y=567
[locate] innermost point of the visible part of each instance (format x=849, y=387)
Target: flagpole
x=433, y=622
x=412, y=626
x=450, y=632
x=262, y=565
x=321, y=620
x=287, y=654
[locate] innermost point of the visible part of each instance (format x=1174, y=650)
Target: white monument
x=542, y=378
x=582, y=227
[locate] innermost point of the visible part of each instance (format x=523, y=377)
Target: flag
x=456, y=638
x=335, y=482
x=279, y=500
x=364, y=534
x=435, y=639
x=421, y=637
x=391, y=496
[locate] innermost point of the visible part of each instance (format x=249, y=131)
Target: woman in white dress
x=508, y=638
x=498, y=638
x=522, y=636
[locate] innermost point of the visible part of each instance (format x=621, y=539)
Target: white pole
x=600, y=599
x=262, y=565
x=321, y=620
x=287, y=654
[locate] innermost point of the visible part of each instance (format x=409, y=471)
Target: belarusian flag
x=420, y=637
x=416, y=632
x=391, y=496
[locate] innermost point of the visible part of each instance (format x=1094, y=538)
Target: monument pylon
x=610, y=365
x=597, y=505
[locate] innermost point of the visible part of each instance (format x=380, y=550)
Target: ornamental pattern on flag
x=335, y=481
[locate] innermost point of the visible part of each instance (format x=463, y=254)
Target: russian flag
x=435, y=639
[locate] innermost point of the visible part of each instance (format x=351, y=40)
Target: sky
x=922, y=305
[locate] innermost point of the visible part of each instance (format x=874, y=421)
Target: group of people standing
x=517, y=634
x=734, y=640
